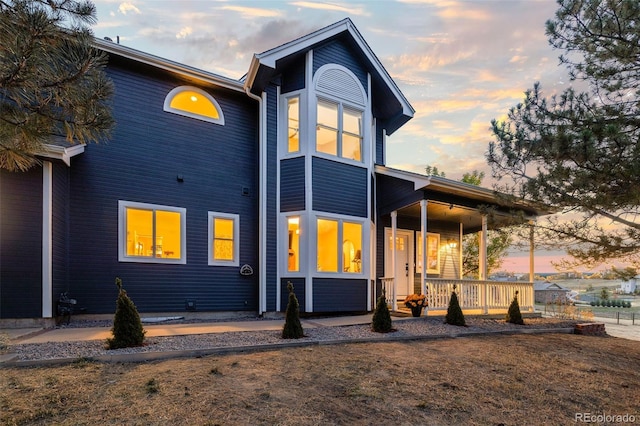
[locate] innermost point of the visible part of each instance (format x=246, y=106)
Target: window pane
x=327, y=141
x=293, y=264
x=328, y=114
x=167, y=235
x=223, y=239
x=327, y=245
x=352, y=122
x=293, y=118
x=139, y=232
x=351, y=147
x=195, y=103
x=352, y=247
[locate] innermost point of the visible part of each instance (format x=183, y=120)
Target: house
x=214, y=193
x=546, y=292
x=630, y=286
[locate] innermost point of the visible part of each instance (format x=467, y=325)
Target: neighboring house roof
x=392, y=105
x=544, y=286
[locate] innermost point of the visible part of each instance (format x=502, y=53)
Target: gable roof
x=264, y=66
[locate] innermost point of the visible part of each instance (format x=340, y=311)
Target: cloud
x=351, y=9
x=125, y=8
x=253, y=12
x=184, y=32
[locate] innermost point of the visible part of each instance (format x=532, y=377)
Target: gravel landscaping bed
x=404, y=329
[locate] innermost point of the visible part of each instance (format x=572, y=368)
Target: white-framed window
x=151, y=233
x=293, y=124
x=339, y=245
x=294, y=254
x=339, y=130
x=194, y=103
x=224, y=239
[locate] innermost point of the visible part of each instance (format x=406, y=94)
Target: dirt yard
x=510, y=380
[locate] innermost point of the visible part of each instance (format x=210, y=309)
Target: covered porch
x=422, y=221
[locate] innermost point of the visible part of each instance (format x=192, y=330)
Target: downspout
x=262, y=202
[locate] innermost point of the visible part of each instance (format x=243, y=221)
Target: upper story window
x=151, y=233
x=340, y=113
x=339, y=130
x=195, y=103
x=293, y=124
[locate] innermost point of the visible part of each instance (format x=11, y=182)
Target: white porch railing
x=479, y=297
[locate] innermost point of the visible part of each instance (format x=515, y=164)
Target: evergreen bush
x=381, y=322
x=127, y=328
x=454, y=312
x=292, y=326
x=513, y=314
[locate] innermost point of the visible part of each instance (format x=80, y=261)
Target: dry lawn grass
x=521, y=379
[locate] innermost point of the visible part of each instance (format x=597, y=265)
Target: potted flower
x=416, y=302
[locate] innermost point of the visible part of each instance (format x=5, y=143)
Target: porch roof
x=449, y=201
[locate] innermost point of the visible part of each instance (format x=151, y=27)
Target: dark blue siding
x=272, y=212
x=339, y=188
x=60, y=230
x=294, y=77
x=21, y=244
x=292, y=185
x=338, y=52
x=339, y=295
x=379, y=145
x=298, y=289
x=148, y=149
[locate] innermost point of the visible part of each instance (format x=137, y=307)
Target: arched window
x=195, y=103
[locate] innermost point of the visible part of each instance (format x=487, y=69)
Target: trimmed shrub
x=292, y=327
x=127, y=328
x=381, y=321
x=592, y=303
x=513, y=314
x=454, y=312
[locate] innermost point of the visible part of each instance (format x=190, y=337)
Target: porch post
x=482, y=261
x=394, y=227
x=460, y=261
x=423, y=246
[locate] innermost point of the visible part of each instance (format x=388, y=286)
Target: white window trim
x=364, y=266
x=167, y=105
x=122, y=233
x=284, y=124
x=236, y=239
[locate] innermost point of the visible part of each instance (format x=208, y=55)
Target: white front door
x=404, y=261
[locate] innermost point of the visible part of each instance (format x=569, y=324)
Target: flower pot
x=416, y=311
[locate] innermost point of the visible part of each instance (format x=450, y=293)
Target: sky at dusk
x=459, y=63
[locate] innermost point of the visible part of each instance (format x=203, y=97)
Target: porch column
x=482, y=252
x=423, y=246
x=460, y=261
x=394, y=228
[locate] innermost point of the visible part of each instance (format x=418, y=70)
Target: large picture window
x=151, y=233
x=339, y=246
x=223, y=239
x=339, y=130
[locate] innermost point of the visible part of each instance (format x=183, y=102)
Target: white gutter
x=262, y=200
